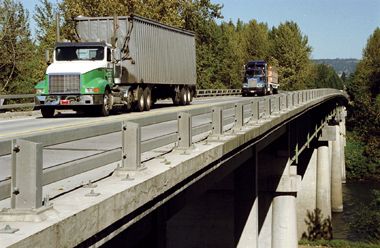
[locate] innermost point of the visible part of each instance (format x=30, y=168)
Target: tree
x=291, y=50
x=364, y=112
x=17, y=50
x=256, y=41
x=324, y=76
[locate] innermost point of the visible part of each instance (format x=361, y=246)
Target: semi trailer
x=259, y=79
x=124, y=62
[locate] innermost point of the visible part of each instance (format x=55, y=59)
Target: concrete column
x=284, y=224
x=342, y=129
x=265, y=220
x=323, y=179
x=336, y=174
x=307, y=192
x=246, y=205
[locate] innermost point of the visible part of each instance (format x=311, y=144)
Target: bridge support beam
x=246, y=205
x=336, y=173
x=323, y=179
x=307, y=192
x=284, y=227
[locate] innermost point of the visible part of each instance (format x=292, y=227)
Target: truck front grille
x=64, y=84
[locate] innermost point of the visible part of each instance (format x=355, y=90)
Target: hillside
x=347, y=66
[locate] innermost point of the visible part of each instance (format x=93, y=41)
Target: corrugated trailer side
x=153, y=53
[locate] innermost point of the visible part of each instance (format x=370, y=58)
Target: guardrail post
x=131, y=146
x=217, y=121
x=184, y=130
x=26, y=188
x=255, y=111
x=268, y=107
x=239, y=116
x=283, y=103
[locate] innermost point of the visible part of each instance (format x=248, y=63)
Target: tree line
x=222, y=49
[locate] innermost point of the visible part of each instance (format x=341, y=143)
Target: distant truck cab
x=259, y=79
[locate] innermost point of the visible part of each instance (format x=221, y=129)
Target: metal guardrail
x=200, y=93
x=129, y=153
x=4, y=106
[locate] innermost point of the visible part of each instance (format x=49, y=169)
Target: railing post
x=255, y=111
x=239, y=116
x=267, y=108
x=184, y=130
x=26, y=188
x=217, y=121
x=131, y=146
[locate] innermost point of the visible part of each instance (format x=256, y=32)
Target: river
x=355, y=194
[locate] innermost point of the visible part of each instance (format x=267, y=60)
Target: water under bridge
x=232, y=172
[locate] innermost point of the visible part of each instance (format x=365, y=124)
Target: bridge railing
x=29, y=97
x=5, y=106
x=191, y=122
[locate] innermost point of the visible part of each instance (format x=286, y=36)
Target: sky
x=335, y=28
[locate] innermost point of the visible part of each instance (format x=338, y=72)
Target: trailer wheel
x=182, y=96
x=147, y=98
x=105, y=106
x=47, y=112
x=140, y=104
x=188, y=96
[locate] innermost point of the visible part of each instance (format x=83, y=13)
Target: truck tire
x=188, y=96
x=147, y=98
x=140, y=103
x=105, y=106
x=182, y=96
x=47, y=112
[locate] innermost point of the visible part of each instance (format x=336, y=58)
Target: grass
x=339, y=244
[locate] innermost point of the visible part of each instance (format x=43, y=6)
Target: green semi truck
x=125, y=63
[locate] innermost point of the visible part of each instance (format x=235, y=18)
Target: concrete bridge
x=233, y=174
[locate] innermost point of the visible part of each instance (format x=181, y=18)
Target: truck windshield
x=79, y=53
x=257, y=72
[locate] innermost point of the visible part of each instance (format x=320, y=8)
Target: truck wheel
x=182, y=96
x=271, y=91
x=275, y=91
x=147, y=98
x=105, y=107
x=47, y=112
x=188, y=96
x=140, y=104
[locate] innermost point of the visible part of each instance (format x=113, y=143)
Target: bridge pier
x=323, y=179
x=336, y=172
x=278, y=183
x=246, y=205
x=307, y=192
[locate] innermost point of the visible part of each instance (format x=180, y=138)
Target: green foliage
x=356, y=162
x=289, y=47
x=324, y=76
x=317, y=226
x=338, y=244
x=366, y=221
x=17, y=50
x=364, y=109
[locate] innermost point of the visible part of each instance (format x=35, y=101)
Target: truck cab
x=259, y=79
x=79, y=77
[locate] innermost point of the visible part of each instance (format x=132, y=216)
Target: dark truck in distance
x=259, y=79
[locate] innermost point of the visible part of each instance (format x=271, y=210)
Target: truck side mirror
x=47, y=57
